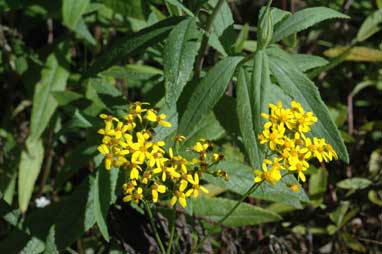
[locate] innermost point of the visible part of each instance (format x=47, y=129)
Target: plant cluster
x=150, y=168
x=286, y=133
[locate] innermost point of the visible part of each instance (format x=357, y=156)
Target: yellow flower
x=108, y=156
x=315, y=148
x=136, y=109
x=330, y=153
x=216, y=157
x=160, y=119
x=201, y=148
x=195, y=186
x=136, y=196
x=140, y=148
x=179, y=196
x=109, y=128
x=279, y=116
x=272, y=175
x=129, y=187
x=304, y=121
x=294, y=187
x=166, y=171
x=155, y=188
x=295, y=164
x=130, y=122
x=274, y=135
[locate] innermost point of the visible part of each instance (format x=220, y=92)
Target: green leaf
x=104, y=195
x=54, y=76
x=181, y=6
x=50, y=244
x=72, y=11
x=302, y=20
x=317, y=186
x=82, y=32
x=241, y=179
x=132, y=43
x=179, y=55
x=215, y=208
x=132, y=71
x=370, y=26
x=66, y=97
x=297, y=85
x=208, y=128
x=338, y=215
x=221, y=24
x=242, y=37
x=29, y=169
x=137, y=9
x=244, y=108
x=307, y=62
x=207, y=93
x=355, y=183
x=352, y=242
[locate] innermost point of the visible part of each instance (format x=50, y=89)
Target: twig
x=204, y=44
x=250, y=190
x=156, y=234
x=172, y=233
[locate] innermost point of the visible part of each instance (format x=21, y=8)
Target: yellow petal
x=161, y=188
x=183, y=202
x=173, y=200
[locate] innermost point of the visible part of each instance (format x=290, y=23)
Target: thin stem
x=156, y=234
x=249, y=191
x=172, y=233
x=204, y=44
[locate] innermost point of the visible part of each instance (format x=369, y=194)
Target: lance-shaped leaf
x=29, y=168
x=179, y=56
x=370, y=26
x=245, y=214
x=207, y=93
x=54, y=76
x=302, y=20
x=246, y=119
x=132, y=43
x=72, y=11
x=104, y=195
x=297, y=85
x=241, y=178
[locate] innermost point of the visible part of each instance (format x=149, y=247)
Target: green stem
x=249, y=191
x=156, y=234
x=172, y=233
x=204, y=44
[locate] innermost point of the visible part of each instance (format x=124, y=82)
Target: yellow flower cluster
x=286, y=134
x=152, y=172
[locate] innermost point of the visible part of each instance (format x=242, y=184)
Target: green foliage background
x=64, y=62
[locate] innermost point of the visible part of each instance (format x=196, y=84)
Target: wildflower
x=153, y=117
x=136, y=196
x=201, y=148
x=284, y=134
x=272, y=175
x=195, y=186
x=103, y=149
x=179, y=196
x=294, y=187
x=222, y=173
x=155, y=188
x=149, y=166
